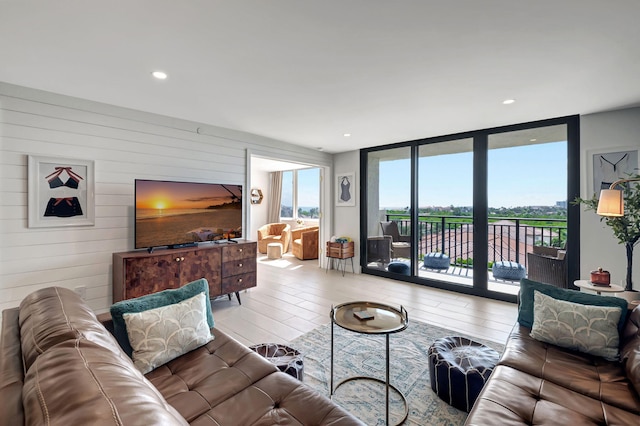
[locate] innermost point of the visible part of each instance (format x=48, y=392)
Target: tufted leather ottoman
x=459, y=368
x=288, y=360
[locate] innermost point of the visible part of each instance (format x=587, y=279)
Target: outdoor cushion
x=512, y=271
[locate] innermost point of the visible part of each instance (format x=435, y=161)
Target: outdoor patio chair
x=400, y=244
x=547, y=265
x=379, y=250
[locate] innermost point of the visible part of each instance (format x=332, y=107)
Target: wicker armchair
x=400, y=244
x=547, y=265
x=379, y=249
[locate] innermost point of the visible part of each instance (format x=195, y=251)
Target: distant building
x=562, y=204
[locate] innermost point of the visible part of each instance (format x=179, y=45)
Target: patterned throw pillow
x=583, y=328
x=152, y=301
x=162, y=334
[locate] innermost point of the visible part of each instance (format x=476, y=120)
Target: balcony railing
x=510, y=238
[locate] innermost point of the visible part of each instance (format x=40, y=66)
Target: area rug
x=364, y=355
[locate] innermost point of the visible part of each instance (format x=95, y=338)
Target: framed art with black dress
x=613, y=165
x=61, y=192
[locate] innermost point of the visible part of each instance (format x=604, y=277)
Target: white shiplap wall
x=125, y=145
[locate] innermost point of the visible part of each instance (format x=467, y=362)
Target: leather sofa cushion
x=11, y=370
x=54, y=315
x=630, y=348
x=100, y=388
x=216, y=383
x=577, y=372
x=512, y=397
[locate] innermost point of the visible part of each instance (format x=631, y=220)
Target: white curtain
x=275, y=197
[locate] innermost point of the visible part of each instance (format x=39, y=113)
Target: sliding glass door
x=527, y=200
x=463, y=212
x=445, y=211
x=389, y=244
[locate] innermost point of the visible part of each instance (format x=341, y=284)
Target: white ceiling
x=307, y=72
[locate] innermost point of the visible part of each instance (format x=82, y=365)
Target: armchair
x=547, y=265
x=304, y=242
x=274, y=233
x=379, y=249
x=400, y=244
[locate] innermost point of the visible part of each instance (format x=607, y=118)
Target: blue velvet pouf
x=436, y=261
x=399, y=268
x=510, y=271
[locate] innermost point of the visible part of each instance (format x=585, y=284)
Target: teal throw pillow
x=527, y=287
x=152, y=301
x=583, y=328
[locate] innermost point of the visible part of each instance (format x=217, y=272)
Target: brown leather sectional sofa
x=60, y=366
x=541, y=384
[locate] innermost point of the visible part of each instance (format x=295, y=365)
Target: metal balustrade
x=510, y=238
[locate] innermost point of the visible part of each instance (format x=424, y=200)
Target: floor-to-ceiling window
x=459, y=204
x=300, y=195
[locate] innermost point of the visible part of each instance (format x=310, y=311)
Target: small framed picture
x=345, y=189
x=61, y=192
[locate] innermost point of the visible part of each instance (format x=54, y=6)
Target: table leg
x=331, y=381
x=387, y=402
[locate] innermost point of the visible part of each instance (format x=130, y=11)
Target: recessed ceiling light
x=508, y=101
x=346, y=135
x=160, y=75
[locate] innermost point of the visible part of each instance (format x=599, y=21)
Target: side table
x=377, y=318
x=340, y=252
x=599, y=289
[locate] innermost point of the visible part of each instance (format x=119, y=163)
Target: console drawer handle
x=239, y=265
x=239, y=280
x=240, y=250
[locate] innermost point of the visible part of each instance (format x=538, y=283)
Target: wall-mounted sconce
x=256, y=196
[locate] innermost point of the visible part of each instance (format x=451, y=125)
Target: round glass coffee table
x=370, y=318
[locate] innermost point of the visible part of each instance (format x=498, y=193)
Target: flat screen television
x=179, y=214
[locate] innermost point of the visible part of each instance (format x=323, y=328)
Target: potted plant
x=627, y=227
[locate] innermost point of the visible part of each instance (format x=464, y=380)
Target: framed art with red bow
x=61, y=192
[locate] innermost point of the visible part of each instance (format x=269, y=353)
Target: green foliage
x=626, y=228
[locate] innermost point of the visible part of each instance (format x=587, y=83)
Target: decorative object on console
x=61, y=192
x=625, y=225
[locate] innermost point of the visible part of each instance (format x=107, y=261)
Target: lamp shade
x=610, y=203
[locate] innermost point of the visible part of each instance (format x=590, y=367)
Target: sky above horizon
x=530, y=175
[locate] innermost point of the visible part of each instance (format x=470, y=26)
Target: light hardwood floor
x=294, y=297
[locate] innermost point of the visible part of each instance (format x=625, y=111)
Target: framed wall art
x=345, y=189
x=61, y=192
x=609, y=166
